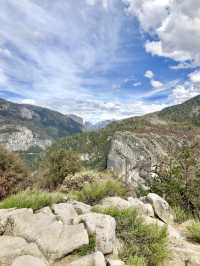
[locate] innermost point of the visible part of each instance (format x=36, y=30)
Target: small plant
x=193, y=232
x=142, y=243
x=31, y=199
x=87, y=249
x=94, y=192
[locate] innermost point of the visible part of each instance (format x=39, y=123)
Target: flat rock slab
x=13, y=247
x=53, y=238
x=28, y=261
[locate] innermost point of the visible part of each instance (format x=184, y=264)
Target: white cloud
x=156, y=84
x=173, y=24
x=149, y=74
x=195, y=77
x=3, y=77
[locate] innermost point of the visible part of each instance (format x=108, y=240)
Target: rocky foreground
x=51, y=235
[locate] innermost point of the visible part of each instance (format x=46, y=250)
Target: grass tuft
x=193, y=232
x=143, y=244
x=94, y=192
x=31, y=199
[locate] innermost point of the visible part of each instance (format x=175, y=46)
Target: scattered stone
x=103, y=226
x=54, y=238
x=96, y=259
x=65, y=212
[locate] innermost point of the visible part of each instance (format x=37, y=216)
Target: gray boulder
x=96, y=259
x=104, y=228
x=160, y=206
x=143, y=208
x=65, y=212
x=13, y=247
x=54, y=238
x=115, y=202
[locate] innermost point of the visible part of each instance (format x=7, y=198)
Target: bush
x=193, y=232
x=178, y=181
x=13, y=174
x=77, y=181
x=142, y=243
x=31, y=199
x=94, y=192
x=58, y=163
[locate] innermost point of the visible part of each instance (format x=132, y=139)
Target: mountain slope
x=25, y=126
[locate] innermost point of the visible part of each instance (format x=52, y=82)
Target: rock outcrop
x=134, y=156
x=49, y=236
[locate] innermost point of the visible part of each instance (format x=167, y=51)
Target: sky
x=100, y=59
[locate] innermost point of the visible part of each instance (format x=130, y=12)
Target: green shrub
x=193, y=232
x=58, y=163
x=87, y=249
x=31, y=199
x=177, y=179
x=77, y=181
x=13, y=173
x=181, y=215
x=94, y=192
x=147, y=242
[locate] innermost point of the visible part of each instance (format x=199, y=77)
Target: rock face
x=96, y=259
x=23, y=127
x=133, y=156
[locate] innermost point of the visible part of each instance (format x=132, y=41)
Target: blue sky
x=100, y=59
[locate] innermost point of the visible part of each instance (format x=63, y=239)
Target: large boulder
x=160, y=206
x=143, y=208
x=115, y=202
x=65, y=212
x=13, y=247
x=103, y=226
x=112, y=262
x=54, y=238
x=96, y=259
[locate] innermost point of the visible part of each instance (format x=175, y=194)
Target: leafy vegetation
x=143, y=244
x=178, y=181
x=13, y=173
x=94, y=192
x=31, y=199
x=57, y=164
x=193, y=232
